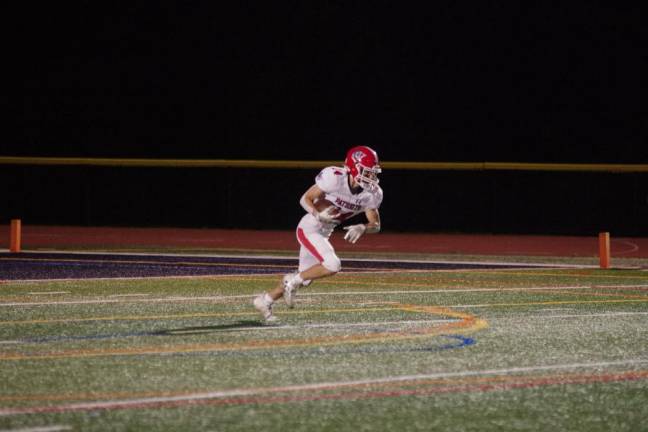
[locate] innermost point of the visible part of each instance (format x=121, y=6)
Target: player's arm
x=354, y=232
x=373, y=221
x=307, y=200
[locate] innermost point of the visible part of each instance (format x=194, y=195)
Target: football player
x=348, y=191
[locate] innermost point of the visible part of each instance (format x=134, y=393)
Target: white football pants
x=316, y=249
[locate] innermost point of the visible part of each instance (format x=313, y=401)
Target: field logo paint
x=465, y=323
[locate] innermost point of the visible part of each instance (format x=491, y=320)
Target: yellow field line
x=531, y=273
x=595, y=294
x=445, y=276
x=300, y=164
x=558, y=302
x=436, y=284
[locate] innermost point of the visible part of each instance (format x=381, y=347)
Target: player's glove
x=328, y=215
x=354, y=232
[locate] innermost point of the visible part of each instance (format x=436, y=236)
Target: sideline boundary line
x=296, y=258
x=319, y=294
x=273, y=264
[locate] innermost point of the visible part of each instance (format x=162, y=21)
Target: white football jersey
x=335, y=184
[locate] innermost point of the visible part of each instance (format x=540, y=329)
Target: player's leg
x=292, y=281
x=317, y=259
x=324, y=261
x=264, y=302
x=306, y=261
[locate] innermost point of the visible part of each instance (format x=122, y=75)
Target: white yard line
x=401, y=324
x=106, y=301
x=583, y=315
x=142, y=402
x=40, y=429
x=375, y=323
x=398, y=324
x=317, y=294
x=48, y=293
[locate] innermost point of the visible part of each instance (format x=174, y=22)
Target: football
x=322, y=204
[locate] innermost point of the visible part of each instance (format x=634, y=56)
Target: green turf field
x=486, y=350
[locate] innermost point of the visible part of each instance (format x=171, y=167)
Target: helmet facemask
x=367, y=177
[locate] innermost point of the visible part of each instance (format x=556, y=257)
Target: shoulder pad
x=330, y=178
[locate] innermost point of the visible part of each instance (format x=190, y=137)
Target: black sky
x=450, y=81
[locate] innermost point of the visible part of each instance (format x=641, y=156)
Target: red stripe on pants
x=308, y=245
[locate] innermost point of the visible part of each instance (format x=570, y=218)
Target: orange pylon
x=14, y=241
x=604, y=250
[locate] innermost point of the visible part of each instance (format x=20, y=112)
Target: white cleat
x=290, y=289
x=264, y=307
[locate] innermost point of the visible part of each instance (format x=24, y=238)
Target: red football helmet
x=362, y=165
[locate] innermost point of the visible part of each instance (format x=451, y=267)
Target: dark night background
x=450, y=81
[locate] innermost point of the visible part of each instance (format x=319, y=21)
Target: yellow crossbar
x=293, y=164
